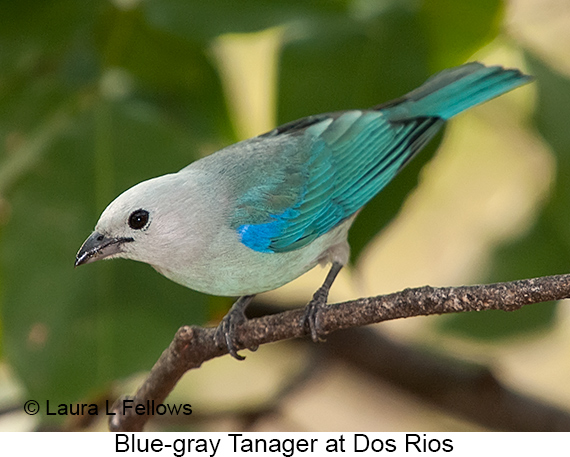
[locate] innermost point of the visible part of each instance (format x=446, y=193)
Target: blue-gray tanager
x=258, y=214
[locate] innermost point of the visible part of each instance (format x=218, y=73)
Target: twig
x=192, y=346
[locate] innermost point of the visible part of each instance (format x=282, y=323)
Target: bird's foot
x=311, y=317
x=225, y=335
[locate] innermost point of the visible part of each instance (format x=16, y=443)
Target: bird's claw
x=311, y=317
x=225, y=333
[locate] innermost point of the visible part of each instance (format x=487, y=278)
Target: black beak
x=98, y=247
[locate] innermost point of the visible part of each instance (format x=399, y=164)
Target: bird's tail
x=454, y=90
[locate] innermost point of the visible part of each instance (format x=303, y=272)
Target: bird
x=257, y=214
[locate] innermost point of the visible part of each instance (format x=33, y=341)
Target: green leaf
x=456, y=29
x=76, y=133
x=69, y=332
x=200, y=21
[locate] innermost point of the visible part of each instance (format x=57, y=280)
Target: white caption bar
x=284, y=444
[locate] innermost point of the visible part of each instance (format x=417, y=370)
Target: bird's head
x=144, y=223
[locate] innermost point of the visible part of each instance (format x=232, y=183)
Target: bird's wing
x=326, y=168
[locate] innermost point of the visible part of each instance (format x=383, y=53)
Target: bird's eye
x=138, y=219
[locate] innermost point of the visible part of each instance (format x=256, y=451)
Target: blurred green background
x=96, y=96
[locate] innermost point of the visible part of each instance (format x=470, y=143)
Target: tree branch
x=192, y=346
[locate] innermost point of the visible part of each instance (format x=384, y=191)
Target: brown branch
x=192, y=346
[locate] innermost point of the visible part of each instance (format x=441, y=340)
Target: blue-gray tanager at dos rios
x=258, y=214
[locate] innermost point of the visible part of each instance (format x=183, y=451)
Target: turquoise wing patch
x=333, y=168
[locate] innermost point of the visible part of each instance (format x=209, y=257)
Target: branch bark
x=192, y=346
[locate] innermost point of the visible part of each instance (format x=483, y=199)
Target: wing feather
x=350, y=157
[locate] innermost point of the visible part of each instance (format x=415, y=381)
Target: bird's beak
x=98, y=247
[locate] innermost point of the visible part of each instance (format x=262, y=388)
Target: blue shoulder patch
x=259, y=236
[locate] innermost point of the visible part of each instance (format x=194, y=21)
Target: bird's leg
x=225, y=333
x=319, y=300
